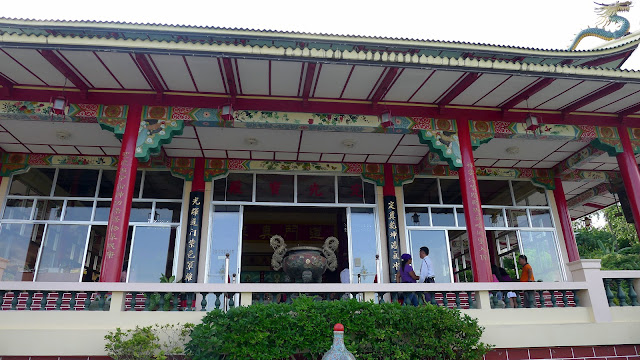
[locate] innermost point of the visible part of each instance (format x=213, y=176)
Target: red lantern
x=227, y=112
x=386, y=120
x=59, y=106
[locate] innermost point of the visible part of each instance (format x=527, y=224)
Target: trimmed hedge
x=372, y=331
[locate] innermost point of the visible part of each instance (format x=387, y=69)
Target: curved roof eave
x=628, y=42
x=288, y=53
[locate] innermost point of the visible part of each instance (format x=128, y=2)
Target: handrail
x=288, y=287
x=620, y=274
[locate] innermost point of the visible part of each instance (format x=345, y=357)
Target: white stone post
x=588, y=270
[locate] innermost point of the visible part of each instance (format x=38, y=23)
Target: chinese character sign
x=192, y=243
x=393, y=237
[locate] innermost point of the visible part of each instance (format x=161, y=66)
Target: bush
x=159, y=342
x=372, y=331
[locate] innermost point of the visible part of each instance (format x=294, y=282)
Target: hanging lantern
x=386, y=120
x=532, y=122
x=416, y=218
x=227, y=112
x=59, y=106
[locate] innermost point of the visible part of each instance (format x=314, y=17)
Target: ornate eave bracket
x=607, y=140
x=445, y=144
x=157, y=128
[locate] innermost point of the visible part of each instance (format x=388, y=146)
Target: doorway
x=299, y=226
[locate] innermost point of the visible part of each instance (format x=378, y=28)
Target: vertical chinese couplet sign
x=391, y=219
x=193, y=237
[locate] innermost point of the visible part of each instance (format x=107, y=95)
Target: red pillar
x=565, y=221
x=630, y=174
x=198, y=175
x=478, y=247
x=117, y=230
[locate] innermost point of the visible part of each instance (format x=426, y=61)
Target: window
x=54, y=222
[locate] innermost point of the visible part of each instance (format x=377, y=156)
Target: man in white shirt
x=426, y=270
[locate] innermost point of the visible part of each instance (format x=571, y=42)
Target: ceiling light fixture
x=251, y=141
x=386, y=119
x=513, y=150
x=349, y=143
x=63, y=135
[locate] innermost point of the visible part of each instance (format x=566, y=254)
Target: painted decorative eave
x=181, y=34
x=374, y=58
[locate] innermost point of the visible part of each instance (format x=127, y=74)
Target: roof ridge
x=351, y=37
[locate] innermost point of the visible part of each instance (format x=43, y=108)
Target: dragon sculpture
x=608, y=14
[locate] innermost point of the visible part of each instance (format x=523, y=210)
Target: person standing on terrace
x=527, y=276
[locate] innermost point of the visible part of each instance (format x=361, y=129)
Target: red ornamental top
x=338, y=327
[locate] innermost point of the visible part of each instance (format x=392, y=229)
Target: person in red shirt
x=527, y=276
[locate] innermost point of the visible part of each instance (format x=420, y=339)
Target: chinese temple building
x=135, y=153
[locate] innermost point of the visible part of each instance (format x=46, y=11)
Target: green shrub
x=372, y=331
x=161, y=342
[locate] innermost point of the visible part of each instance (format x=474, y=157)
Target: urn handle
x=279, y=250
x=329, y=251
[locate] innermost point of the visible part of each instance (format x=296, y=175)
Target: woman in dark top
x=407, y=275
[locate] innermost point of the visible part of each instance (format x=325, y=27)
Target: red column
x=117, y=230
x=478, y=247
x=630, y=174
x=198, y=175
x=565, y=221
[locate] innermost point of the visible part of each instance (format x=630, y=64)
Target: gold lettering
x=193, y=232
x=392, y=225
x=191, y=254
x=392, y=205
x=392, y=214
x=393, y=234
x=190, y=264
x=192, y=243
x=193, y=222
x=111, y=245
x=195, y=211
x=196, y=201
x=394, y=245
x=189, y=277
x=396, y=266
x=110, y=254
x=395, y=256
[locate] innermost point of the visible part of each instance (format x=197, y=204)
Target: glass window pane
x=316, y=189
x=518, y=218
x=18, y=209
x=78, y=210
x=76, y=183
x=108, y=183
x=369, y=193
x=451, y=193
x=93, y=259
x=49, y=209
x=442, y=217
x=417, y=216
x=140, y=212
x=493, y=218
x=462, y=221
x=541, y=218
x=152, y=254
x=542, y=255
x=350, y=190
x=35, y=182
x=225, y=232
x=19, y=243
x=102, y=211
x=162, y=185
x=436, y=241
x=364, y=245
x=527, y=194
x=274, y=188
x=239, y=187
x=219, y=189
x=168, y=212
x=494, y=192
x=62, y=255
x=421, y=191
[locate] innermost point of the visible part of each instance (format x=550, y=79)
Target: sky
x=549, y=24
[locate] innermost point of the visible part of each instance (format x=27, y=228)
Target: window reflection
x=422, y=191
x=364, y=245
x=76, y=183
x=18, y=209
x=542, y=255
x=152, y=254
x=19, y=243
x=63, y=253
x=225, y=234
x=436, y=241
x=527, y=194
x=35, y=182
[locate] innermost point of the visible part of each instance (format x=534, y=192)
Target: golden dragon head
x=606, y=11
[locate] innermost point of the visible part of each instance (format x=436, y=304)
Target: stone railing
x=621, y=287
x=51, y=313
x=37, y=296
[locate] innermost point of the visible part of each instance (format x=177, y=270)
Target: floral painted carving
x=13, y=163
x=634, y=135
x=444, y=142
x=608, y=140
